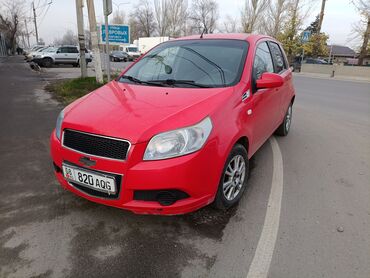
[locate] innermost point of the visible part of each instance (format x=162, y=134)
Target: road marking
x=260, y=265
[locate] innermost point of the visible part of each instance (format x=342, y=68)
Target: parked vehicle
x=118, y=56
x=30, y=55
x=297, y=64
x=147, y=43
x=175, y=131
x=67, y=54
x=132, y=51
x=32, y=49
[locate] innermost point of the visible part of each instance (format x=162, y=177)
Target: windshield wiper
x=172, y=82
x=138, y=81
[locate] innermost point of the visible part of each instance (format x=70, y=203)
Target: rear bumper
x=196, y=174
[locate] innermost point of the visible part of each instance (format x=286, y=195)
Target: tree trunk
x=365, y=43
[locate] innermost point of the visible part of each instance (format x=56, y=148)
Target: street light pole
x=34, y=20
x=117, y=5
x=107, y=6
x=81, y=37
x=107, y=46
x=94, y=41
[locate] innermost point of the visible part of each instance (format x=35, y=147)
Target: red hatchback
x=174, y=132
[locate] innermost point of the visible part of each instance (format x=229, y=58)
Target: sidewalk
x=336, y=77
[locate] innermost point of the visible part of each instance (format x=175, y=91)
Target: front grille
x=96, y=145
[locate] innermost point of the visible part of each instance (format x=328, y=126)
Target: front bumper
x=195, y=174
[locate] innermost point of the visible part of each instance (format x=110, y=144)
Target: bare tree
x=177, y=17
x=143, y=19
x=275, y=17
x=11, y=16
x=69, y=38
x=363, y=7
x=203, y=15
x=252, y=14
x=119, y=17
x=161, y=14
x=231, y=24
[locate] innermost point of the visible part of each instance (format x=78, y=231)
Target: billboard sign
x=117, y=34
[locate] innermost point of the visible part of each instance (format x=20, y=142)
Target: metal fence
x=3, y=50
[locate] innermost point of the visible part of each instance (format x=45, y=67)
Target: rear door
x=73, y=55
x=281, y=68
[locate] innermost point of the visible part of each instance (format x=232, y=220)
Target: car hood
x=137, y=113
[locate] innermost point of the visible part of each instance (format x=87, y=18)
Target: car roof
x=252, y=38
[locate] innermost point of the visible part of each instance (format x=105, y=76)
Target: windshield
x=206, y=63
x=132, y=49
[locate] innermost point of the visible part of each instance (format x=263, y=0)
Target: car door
x=73, y=55
x=265, y=102
x=281, y=68
x=62, y=55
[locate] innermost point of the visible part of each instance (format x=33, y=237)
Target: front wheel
x=284, y=128
x=234, y=178
x=47, y=62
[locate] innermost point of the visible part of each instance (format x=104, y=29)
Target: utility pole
x=81, y=37
x=94, y=41
x=27, y=34
x=34, y=20
x=107, y=6
x=321, y=16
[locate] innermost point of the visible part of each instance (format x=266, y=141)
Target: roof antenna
x=201, y=35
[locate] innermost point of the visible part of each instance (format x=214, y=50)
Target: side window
x=72, y=50
x=63, y=50
x=262, y=61
x=278, y=57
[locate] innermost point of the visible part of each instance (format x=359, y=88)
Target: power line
x=47, y=9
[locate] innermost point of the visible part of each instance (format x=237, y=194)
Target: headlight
x=58, y=128
x=178, y=142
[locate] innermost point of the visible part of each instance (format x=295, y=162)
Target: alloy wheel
x=234, y=178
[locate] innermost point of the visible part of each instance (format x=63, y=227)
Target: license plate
x=90, y=179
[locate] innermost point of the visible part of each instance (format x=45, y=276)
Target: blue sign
x=118, y=34
x=306, y=36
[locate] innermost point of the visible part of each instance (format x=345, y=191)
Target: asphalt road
x=323, y=224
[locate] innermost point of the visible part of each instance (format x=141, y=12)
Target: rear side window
x=278, y=57
x=72, y=50
x=262, y=61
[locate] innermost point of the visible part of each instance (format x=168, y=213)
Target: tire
x=230, y=180
x=125, y=60
x=284, y=128
x=47, y=62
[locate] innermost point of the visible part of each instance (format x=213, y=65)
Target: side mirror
x=269, y=80
x=58, y=51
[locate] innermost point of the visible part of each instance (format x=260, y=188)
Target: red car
x=175, y=131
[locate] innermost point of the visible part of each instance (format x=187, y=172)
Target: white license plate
x=90, y=179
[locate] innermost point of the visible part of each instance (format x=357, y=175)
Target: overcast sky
x=340, y=15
